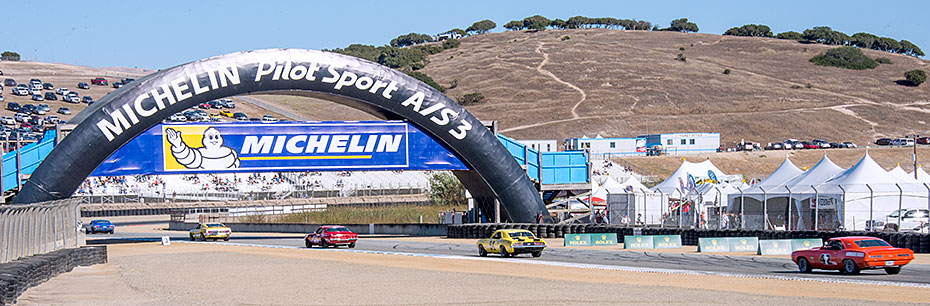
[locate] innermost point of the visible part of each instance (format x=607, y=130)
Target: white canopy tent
x=863, y=192
x=633, y=198
x=680, y=177
x=922, y=176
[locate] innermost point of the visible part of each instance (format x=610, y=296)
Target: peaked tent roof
x=698, y=170
x=779, y=177
x=632, y=182
x=901, y=174
x=922, y=176
x=867, y=171
x=821, y=172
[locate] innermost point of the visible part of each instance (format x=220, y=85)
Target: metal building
x=684, y=143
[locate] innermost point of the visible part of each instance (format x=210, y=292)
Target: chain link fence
x=39, y=228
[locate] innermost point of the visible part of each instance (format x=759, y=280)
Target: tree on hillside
x=863, y=40
x=457, y=31
x=402, y=58
x=367, y=52
x=792, y=35
x=536, y=22
x=683, y=25
x=481, y=27
x=9, y=56
x=514, y=25
x=422, y=77
x=915, y=77
x=577, y=22
x=887, y=44
x=910, y=49
x=410, y=39
x=445, y=189
x=756, y=30
x=558, y=24
x=825, y=35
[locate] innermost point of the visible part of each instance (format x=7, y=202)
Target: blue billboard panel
x=174, y=148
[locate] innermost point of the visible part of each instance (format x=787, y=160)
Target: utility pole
x=914, y=156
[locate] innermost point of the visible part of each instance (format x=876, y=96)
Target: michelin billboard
x=281, y=146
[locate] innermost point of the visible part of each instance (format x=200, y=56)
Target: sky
x=162, y=34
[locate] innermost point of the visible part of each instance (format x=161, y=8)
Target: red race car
x=852, y=254
x=331, y=235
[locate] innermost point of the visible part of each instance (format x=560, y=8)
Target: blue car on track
x=99, y=226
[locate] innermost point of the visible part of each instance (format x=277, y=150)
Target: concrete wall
x=381, y=229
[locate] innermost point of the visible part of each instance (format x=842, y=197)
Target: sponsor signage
x=637, y=242
x=805, y=244
x=744, y=244
x=280, y=146
x=604, y=239
x=775, y=247
x=667, y=241
x=577, y=240
x=713, y=245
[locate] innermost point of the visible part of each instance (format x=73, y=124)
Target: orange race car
x=852, y=254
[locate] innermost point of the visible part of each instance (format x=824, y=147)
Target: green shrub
x=757, y=30
x=422, y=77
x=681, y=57
x=446, y=190
x=564, y=38
x=915, y=77
x=884, y=60
x=792, y=35
x=453, y=84
x=726, y=71
x=469, y=99
x=9, y=56
x=451, y=44
x=845, y=57
x=681, y=48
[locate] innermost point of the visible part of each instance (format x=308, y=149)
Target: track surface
x=763, y=266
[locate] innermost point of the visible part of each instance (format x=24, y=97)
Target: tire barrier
x=917, y=242
x=21, y=274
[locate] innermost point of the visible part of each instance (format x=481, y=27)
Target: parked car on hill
x=227, y=103
x=775, y=146
x=52, y=119
x=923, y=140
x=99, y=81
x=902, y=142
x=240, y=117
x=48, y=86
x=51, y=96
x=117, y=84
x=9, y=82
x=127, y=80
x=269, y=118
x=7, y=120
x=849, y=144
x=37, y=98
x=44, y=107
x=883, y=141
x=87, y=99
x=82, y=85
x=852, y=254
x=177, y=118
x=809, y=145
x=64, y=111
x=62, y=91
x=822, y=144
x=331, y=235
x=13, y=106
x=20, y=91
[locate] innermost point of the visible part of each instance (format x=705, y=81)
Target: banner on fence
x=577, y=240
x=713, y=245
x=805, y=244
x=666, y=241
x=775, y=247
x=637, y=242
x=173, y=148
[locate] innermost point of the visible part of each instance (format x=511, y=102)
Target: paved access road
x=745, y=266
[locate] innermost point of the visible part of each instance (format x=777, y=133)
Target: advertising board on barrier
x=775, y=247
x=577, y=240
x=637, y=242
x=666, y=241
x=604, y=239
x=744, y=244
x=728, y=244
x=281, y=146
x=805, y=244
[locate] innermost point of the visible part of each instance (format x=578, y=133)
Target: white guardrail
x=39, y=228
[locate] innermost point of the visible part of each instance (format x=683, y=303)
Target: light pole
x=914, y=156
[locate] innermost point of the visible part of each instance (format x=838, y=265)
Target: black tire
x=323, y=243
x=307, y=243
x=893, y=270
x=226, y=239
x=849, y=267
x=803, y=265
x=352, y=245
x=202, y=237
x=503, y=251
x=482, y=252
x=537, y=254
x=111, y=232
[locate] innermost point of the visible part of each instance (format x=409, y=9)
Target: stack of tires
x=21, y=274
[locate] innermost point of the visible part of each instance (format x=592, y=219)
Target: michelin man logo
x=213, y=154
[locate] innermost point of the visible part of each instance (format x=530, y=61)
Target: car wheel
x=307, y=243
x=323, y=243
x=850, y=267
x=537, y=254
x=352, y=245
x=482, y=252
x=226, y=239
x=203, y=238
x=192, y=237
x=504, y=253
x=803, y=265
x=893, y=270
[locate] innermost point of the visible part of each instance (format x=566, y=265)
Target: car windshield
x=522, y=234
x=871, y=243
x=215, y=225
x=337, y=229
x=99, y=222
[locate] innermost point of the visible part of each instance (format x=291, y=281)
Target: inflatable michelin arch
x=125, y=113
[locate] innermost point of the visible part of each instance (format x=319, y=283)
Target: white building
x=541, y=145
x=629, y=146
x=684, y=143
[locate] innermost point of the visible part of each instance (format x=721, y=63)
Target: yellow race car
x=226, y=113
x=509, y=242
x=213, y=231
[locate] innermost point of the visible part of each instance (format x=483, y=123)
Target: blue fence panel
x=557, y=167
x=31, y=156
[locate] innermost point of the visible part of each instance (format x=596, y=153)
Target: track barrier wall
x=919, y=243
x=39, y=228
x=18, y=275
x=415, y=229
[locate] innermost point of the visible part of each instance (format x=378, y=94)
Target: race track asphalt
x=741, y=266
